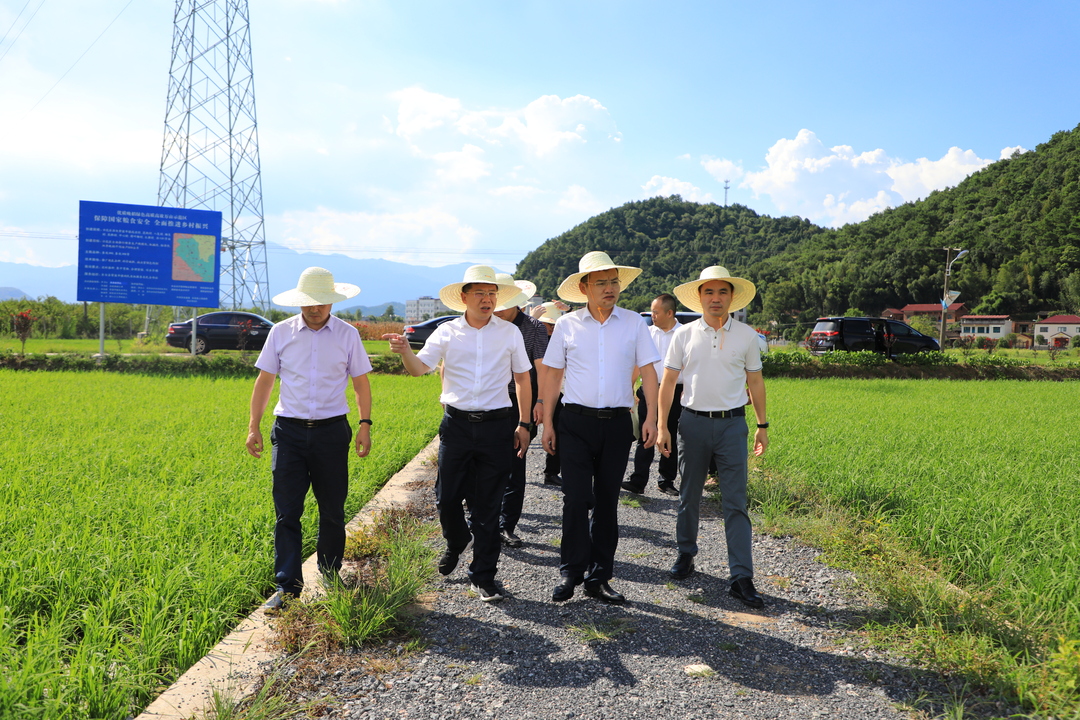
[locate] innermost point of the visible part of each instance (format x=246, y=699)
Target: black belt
x=737, y=412
x=602, y=413
x=480, y=415
x=311, y=423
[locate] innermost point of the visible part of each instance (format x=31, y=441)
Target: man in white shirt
x=480, y=431
x=718, y=359
x=595, y=350
x=662, y=329
x=315, y=354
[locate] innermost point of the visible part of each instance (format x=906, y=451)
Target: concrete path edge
x=233, y=666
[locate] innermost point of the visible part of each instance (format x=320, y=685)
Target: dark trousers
x=553, y=463
x=514, y=497
x=474, y=465
x=643, y=456
x=594, y=456
x=302, y=458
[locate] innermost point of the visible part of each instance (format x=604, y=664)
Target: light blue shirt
x=314, y=366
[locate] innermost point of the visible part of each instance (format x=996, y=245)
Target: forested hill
x=1019, y=218
x=670, y=239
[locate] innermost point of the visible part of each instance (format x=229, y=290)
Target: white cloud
x=466, y=164
x=838, y=185
x=722, y=169
x=660, y=186
x=578, y=200
x=420, y=111
x=516, y=192
x=1007, y=153
x=420, y=236
x=918, y=179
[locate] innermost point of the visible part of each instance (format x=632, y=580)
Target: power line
x=28, y=21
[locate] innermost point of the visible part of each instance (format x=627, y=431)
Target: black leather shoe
x=565, y=589
x=554, y=480
x=602, y=591
x=510, y=539
x=744, y=591
x=683, y=567
x=631, y=487
x=668, y=488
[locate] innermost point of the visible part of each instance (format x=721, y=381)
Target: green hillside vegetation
x=1019, y=218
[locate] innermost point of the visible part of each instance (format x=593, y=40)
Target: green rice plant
x=976, y=478
x=136, y=530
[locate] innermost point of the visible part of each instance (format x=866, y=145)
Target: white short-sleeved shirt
x=599, y=358
x=662, y=340
x=314, y=366
x=714, y=363
x=477, y=362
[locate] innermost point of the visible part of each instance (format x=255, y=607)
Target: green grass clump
x=137, y=530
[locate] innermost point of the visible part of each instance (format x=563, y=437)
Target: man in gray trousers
x=719, y=360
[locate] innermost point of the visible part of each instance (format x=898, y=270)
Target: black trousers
x=643, y=456
x=594, y=456
x=514, y=497
x=302, y=458
x=474, y=466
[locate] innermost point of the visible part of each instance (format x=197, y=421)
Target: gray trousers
x=700, y=440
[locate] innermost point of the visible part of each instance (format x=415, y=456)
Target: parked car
x=220, y=331
x=890, y=337
x=689, y=317
x=418, y=334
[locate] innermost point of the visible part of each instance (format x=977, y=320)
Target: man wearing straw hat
x=717, y=358
x=480, y=429
x=595, y=350
x=535, y=337
x=315, y=354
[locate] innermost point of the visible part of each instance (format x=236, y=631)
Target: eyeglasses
x=606, y=283
x=484, y=294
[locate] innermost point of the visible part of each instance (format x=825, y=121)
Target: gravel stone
x=525, y=657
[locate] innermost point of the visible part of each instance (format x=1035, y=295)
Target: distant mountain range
x=381, y=281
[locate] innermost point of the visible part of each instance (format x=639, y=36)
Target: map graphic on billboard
x=143, y=254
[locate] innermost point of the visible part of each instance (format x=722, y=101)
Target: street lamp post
x=946, y=300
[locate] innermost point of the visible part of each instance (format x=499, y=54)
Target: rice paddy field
x=983, y=478
x=135, y=530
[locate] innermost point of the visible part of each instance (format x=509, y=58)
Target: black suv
x=890, y=337
x=418, y=333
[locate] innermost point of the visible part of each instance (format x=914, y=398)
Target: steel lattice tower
x=210, y=157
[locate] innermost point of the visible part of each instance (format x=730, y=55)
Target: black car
x=889, y=337
x=418, y=334
x=221, y=331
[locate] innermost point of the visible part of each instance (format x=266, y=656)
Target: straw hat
x=551, y=313
x=595, y=261
x=451, y=294
x=316, y=287
x=744, y=290
x=520, y=300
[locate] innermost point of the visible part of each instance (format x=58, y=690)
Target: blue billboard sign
x=148, y=255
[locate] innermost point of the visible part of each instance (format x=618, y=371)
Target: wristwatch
x=762, y=426
x=527, y=426
x=365, y=420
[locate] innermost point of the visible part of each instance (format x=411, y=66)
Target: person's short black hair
x=667, y=301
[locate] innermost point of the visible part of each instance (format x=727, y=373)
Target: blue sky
x=439, y=132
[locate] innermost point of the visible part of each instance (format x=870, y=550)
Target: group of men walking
x=577, y=384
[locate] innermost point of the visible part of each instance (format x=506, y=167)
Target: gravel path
x=527, y=657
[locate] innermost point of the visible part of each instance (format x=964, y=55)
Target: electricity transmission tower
x=210, y=156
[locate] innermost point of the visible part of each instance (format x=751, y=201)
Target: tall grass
x=135, y=530
x=982, y=477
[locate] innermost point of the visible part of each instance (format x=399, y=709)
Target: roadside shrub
x=926, y=359
x=994, y=361
x=1075, y=342
x=862, y=358
x=776, y=361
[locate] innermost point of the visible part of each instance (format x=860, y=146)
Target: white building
x=424, y=308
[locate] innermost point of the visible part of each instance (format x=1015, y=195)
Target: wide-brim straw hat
x=527, y=288
x=744, y=290
x=316, y=287
x=451, y=294
x=595, y=261
x=551, y=313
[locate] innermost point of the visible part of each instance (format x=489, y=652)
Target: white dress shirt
x=662, y=339
x=599, y=358
x=714, y=363
x=314, y=366
x=477, y=362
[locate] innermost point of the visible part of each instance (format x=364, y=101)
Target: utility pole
x=947, y=299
